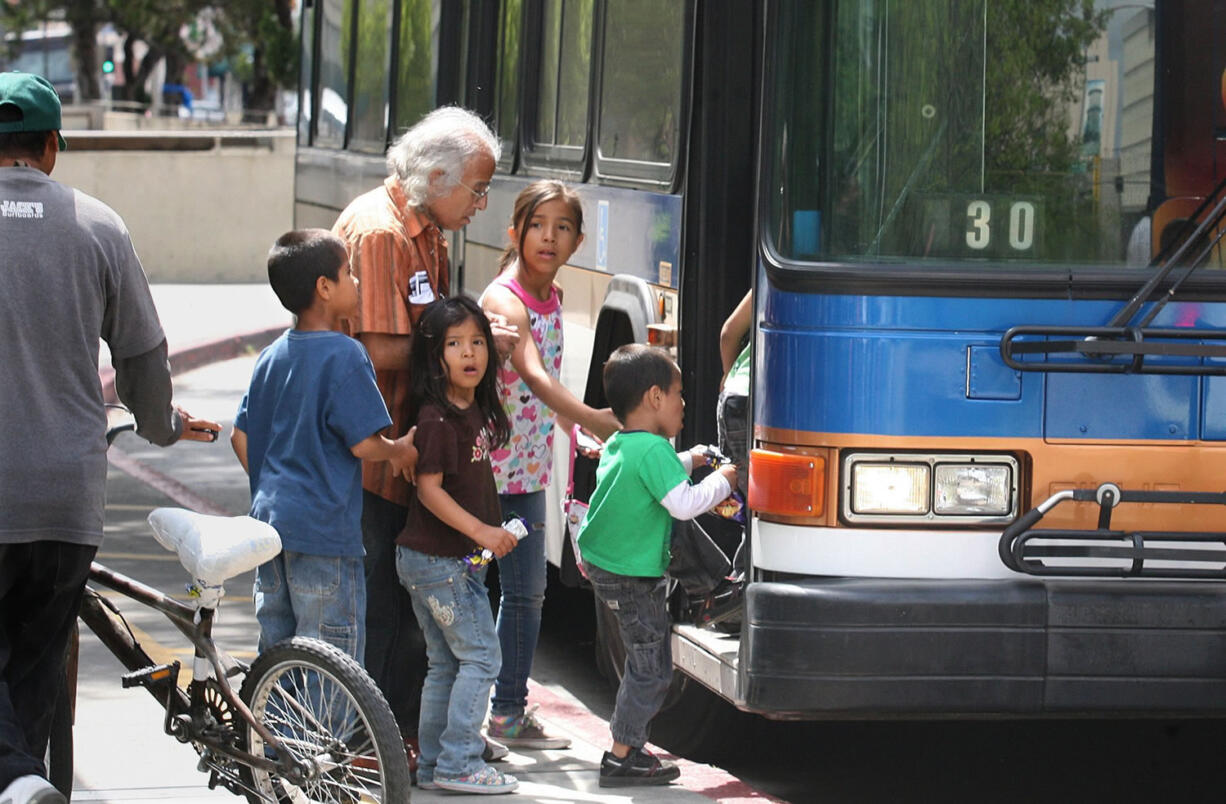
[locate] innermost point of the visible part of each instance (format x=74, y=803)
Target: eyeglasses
x=477, y=195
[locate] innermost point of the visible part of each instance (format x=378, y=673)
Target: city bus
x=988, y=412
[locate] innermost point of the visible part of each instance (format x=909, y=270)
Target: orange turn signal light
x=786, y=483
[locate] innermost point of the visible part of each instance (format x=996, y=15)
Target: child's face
x=465, y=359
x=345, y=291
x=671, y=411
x=550, y=237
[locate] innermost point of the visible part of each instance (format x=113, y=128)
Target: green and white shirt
x=641, y=484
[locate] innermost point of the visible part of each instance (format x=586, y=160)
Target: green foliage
x=415, y=68
x=1037, y=52
x=255, y=35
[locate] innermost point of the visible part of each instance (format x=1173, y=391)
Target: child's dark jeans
x=638, y=604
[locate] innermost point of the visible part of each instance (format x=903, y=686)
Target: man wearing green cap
x=71, y=277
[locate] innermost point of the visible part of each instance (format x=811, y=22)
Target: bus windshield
x=991, y=131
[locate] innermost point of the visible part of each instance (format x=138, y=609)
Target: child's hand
x=404, y=459
x=700, y=455
x=495, y=539
x=728, y=470
x=506, y=334
x=588, y=445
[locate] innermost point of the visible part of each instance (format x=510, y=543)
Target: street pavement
x=122, y=754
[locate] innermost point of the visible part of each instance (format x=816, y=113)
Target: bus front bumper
x=820, y=648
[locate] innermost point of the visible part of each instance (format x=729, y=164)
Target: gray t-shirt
x=70, y=277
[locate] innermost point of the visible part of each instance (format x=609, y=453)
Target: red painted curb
x=706, y=780
x=202, y=354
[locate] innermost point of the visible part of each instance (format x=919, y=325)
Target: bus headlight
x=890, y=488
x=916, y=488
x=960, y=489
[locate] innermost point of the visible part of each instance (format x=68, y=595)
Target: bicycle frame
x=185, y=711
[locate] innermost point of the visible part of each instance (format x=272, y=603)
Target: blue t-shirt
x=312, y=397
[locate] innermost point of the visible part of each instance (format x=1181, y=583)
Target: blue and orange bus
x=988, y=412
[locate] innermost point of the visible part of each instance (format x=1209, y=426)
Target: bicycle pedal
x=157, y=674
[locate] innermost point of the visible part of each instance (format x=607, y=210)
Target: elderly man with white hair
x=439, y=172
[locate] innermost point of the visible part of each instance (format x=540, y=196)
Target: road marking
x=165, y=484
x=138, y=556
x=111, y=594
x=163, y=654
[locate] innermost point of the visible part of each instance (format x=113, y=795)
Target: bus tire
x=693, y=721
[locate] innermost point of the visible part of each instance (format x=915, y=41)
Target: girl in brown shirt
x=455, y=404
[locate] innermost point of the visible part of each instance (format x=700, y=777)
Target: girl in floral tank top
x=546, y=228
x=524, y=464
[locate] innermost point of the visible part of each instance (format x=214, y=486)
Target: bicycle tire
x=328, y=712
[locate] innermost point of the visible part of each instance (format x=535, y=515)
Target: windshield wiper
x=1166, y=264
x=1095, y=350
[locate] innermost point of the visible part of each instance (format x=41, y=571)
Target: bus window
x=561, y=109
x=333, y=105
x=305, y=79
x=371, y=76
x=972, y=130
x=506, y=113
x=640, y=92
x=417, y=64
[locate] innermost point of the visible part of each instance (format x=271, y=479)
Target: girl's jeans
x=639, y=606
x=521, y=574
x=453, y=609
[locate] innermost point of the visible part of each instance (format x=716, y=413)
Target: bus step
x=708, y=657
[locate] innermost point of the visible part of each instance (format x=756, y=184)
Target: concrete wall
x=202, y=206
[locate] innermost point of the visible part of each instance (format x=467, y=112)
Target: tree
x=256, y=36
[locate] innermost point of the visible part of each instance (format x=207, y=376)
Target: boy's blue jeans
x=638, y=604
x=313, y=596
x=453, y=609
x=521, y=576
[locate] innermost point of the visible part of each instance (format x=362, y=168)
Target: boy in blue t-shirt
x=310, y=417
x=641, y=485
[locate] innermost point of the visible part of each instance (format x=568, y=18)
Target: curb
x=202, y=354
x=709, y=781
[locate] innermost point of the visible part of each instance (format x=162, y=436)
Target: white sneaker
x=31, y=790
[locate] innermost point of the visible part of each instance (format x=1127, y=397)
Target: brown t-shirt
x=458, y=446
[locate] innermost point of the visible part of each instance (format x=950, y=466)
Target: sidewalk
x=208, y=323
x=211, y=325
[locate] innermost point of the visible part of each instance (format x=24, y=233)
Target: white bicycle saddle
x=214, y=548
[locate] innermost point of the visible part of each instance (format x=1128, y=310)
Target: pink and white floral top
x=524, y=464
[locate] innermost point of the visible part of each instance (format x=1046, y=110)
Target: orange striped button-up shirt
x=400, y=258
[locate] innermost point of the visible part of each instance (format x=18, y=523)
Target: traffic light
x=108, y=61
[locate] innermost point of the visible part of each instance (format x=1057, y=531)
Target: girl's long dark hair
x=531, y=197
x=428, y=377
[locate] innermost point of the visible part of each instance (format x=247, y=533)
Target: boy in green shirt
x=641, y=485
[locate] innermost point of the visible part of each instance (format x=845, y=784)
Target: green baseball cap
x=37, y=100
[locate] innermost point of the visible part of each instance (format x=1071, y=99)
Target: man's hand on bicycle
x=197, y=429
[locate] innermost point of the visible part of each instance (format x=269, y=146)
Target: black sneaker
x=636, y=768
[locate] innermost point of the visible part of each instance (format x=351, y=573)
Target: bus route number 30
x=1000, y=225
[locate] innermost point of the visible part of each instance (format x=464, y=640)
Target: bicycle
x=307, y=724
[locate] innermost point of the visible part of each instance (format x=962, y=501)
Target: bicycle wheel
x=332, y=718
